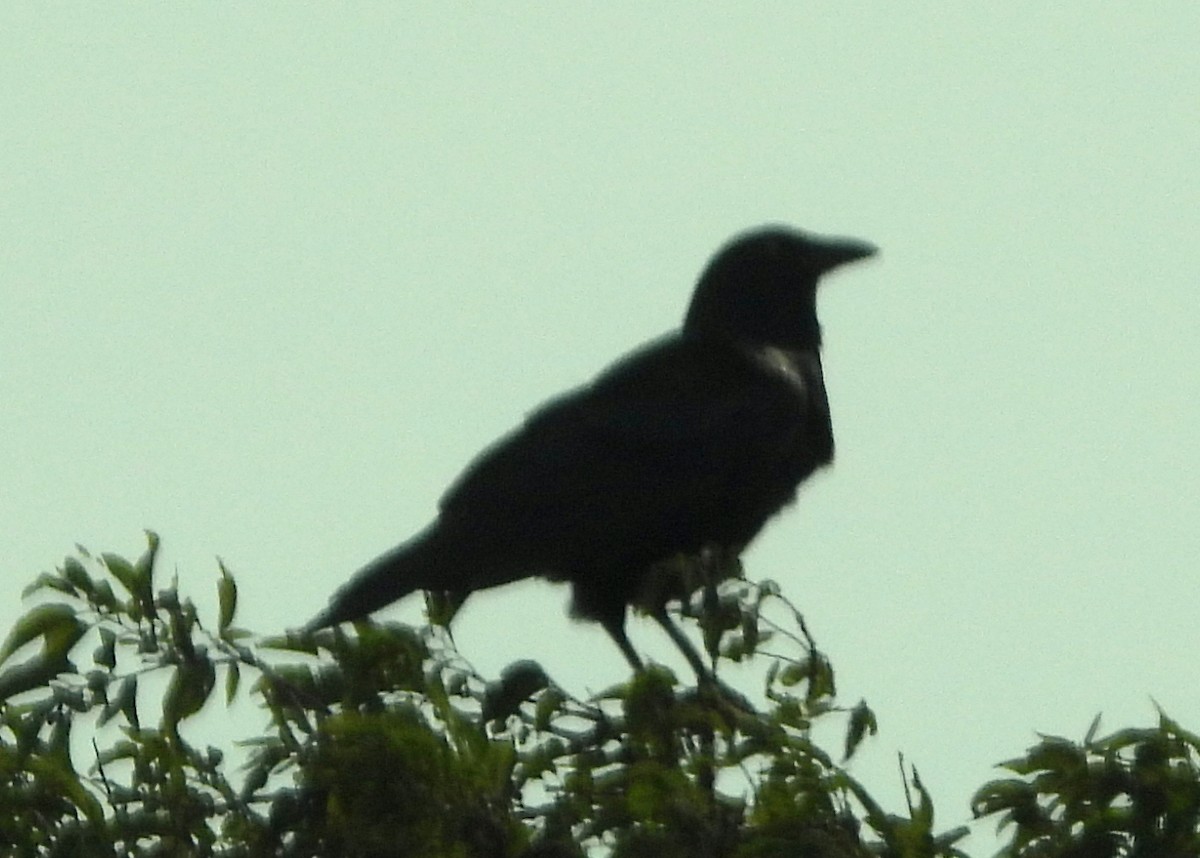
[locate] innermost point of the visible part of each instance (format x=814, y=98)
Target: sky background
x=271, y=274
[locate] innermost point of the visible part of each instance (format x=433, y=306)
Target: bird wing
x=668, y=450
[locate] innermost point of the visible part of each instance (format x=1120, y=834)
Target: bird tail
x=419, y=564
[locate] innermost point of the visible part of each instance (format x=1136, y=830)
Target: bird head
x=760, y=289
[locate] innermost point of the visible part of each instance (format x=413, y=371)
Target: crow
x=687, y=445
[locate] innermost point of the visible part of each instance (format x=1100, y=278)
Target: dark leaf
x=862, y=722
x=105, y=655
x=124, y=702
x=1003, y=794
x=518, y=682
x=188, y=691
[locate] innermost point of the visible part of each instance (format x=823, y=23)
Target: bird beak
x=832, y=252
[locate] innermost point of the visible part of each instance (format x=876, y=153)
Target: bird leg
x=703, y=673
x=615, y=626
x=613, y=622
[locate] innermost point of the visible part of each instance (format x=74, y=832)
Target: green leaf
x=105, y=655
x=440, y=607
x=56, y=624
x=122, y=570
x=49, y=581
x=127, y=701
x=1054, y=754
x=922, y=814
x=103, y=597
x=793, y=673
x=74, y=572
x=751, y=632
x=34, y=673
x=549, y=704
x=294, y=641
x=821, y=683
x=122, y=750
x=145, y=563
x=233, y=676
x=59, y=745
x=54, y=776
x=226, y=597
x=68, y=697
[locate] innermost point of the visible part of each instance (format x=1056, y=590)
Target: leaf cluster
x=1134, y=793
x=382, y=740
x=168, y=791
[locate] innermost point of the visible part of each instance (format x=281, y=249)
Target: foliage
x=384, y=741
x=1135, y=792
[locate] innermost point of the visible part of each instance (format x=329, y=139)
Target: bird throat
x=800, y=370
x=795, y=367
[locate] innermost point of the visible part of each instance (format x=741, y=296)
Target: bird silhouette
x=685, y=446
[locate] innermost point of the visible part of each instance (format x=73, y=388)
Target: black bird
x=687, y=445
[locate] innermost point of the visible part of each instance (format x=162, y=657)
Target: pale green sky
x=270, y=274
